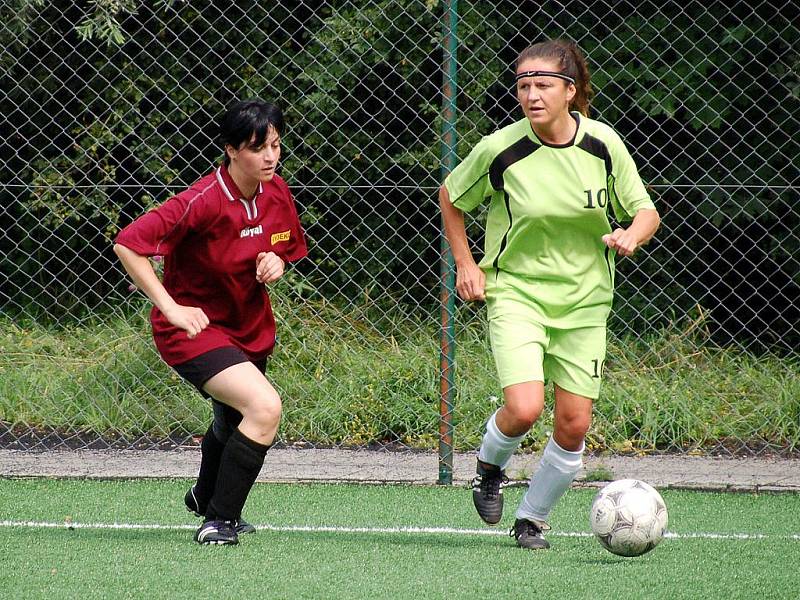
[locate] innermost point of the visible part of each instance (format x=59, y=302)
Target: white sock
x=556, y=472
x=497, y=447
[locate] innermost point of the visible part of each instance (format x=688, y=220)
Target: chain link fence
x=108, y=108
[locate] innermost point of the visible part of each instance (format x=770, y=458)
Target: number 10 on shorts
x=597, y=367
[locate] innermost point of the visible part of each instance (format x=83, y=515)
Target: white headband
x=545, y=74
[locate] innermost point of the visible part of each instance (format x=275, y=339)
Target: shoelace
x=490, y=483
x=528, y=528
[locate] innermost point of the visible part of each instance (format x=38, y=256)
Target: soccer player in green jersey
x=547, y=274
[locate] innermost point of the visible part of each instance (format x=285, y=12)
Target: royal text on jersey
x=251, y=231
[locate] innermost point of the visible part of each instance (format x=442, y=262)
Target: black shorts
x=202, y=368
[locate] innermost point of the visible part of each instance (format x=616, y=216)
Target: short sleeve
x=626, y=190
x=468, y=184
x=159, y=231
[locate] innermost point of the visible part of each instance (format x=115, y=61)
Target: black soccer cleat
x=528, y=535
x=243, y=526
x=193, y=506
x=487, y=492
x=220, y=533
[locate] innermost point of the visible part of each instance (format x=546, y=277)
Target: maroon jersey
x=210, y=236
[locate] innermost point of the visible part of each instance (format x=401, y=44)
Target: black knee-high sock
x=211, y=455
x=241, y=462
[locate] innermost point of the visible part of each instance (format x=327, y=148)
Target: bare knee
x=264, y=411
x=515, y=419
x=524, y=416
x=524, y=403
x=571, y=429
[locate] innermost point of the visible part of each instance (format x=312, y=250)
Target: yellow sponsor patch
x=282, y=236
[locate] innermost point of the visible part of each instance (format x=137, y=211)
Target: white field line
x=376, y=530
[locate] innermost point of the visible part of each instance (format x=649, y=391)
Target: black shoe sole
x=218, y=543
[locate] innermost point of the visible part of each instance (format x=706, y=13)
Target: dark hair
x=247, y=118
x=571, y=62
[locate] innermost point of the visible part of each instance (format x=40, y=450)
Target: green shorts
x=526, y=349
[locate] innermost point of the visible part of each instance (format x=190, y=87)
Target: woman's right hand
x=189, y=318
x=470, y=282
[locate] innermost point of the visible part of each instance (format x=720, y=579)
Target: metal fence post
x=449, y=44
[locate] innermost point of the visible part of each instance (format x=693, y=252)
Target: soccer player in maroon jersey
x=224, y=240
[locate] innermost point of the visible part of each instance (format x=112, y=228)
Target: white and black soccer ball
x=628, y=517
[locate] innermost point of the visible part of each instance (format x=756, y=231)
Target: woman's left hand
x=621, y=240
x=269, y=267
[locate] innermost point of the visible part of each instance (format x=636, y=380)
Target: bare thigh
x=245, y=388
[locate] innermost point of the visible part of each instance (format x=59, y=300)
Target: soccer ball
x=628, y=517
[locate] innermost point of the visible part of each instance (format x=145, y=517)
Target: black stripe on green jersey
x=597, y=148
x=548, y=182
x=520, y=149
x=504, y=241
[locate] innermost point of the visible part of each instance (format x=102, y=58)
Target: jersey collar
x=229, y=187
x=579, y=130
x=232, y=193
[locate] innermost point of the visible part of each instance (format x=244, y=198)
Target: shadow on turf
x=361, y=539
x=431, y=540
x=427, y=539
x=611, y=560
x=85, y=534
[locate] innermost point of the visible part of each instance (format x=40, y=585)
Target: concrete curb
x=333, y=465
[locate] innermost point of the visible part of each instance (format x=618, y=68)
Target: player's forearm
x=454, y=229
x=644, y=225
x=144, y=277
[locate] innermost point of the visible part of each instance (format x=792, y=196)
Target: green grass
x=371, y=375
x=43, y=562
x=102, y=377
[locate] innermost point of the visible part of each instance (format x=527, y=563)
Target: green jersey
x=548, y=212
